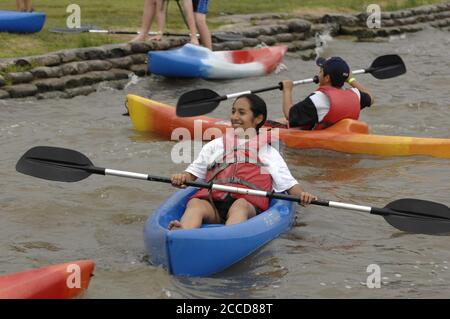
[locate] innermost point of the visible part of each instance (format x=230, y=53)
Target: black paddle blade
x=55, y=164
x=421, y=216
x=197, y=102
x=387, y=66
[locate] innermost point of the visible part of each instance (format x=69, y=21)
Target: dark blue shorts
x=200, y=6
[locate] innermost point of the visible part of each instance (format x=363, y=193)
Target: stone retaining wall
x=74, y=72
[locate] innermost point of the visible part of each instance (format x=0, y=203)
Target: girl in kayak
x=229, y=160
x=330, y=103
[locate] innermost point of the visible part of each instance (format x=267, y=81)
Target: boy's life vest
x=344, y=104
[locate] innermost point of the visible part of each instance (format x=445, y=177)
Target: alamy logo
x=74, y=19
x=74, y=279
x=374, y=279
x=374, y=18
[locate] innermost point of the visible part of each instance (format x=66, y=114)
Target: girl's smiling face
x=242, y=115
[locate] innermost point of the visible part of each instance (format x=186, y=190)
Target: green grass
x=126, y=15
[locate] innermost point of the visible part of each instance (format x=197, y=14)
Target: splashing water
x=322, y=41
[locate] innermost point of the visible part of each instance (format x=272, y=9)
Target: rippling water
x=326, y=253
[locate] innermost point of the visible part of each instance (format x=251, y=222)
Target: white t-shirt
x=282, y=179
x=322, y=102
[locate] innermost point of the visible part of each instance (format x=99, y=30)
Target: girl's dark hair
x=258, y=107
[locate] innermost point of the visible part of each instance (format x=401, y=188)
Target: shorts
x=200, y=6
x=223, y=206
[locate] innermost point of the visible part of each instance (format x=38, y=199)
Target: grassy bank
x=126, y=15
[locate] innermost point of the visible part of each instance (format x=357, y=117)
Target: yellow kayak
x=348, y=136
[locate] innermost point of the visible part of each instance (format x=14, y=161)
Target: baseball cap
x=336, y=68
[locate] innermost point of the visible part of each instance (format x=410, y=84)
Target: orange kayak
x=348, y=136
x=60, y=281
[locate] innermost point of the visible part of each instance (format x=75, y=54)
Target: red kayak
x=62, y=281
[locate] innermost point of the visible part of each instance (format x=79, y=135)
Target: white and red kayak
x=60, y=281
x=194, y=61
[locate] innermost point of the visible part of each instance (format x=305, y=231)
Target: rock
x=84, y=90
x=19, y=77
x=43, y=72
x=269, y=40
x=164, y=44
x=387, y=23
x=301, y=45
x=91, y=54
x=98, y=65
x=251, y=33
x=139, y=58
x=121, y=63
x=139, y=69
x=233, y=45
x=52, y=95
x=21, y=90
x=215, y=47
x=67, y=56
x=298, y=25
x=47, y=60
x=117, y=50
x=24, y=62
x=115, y=84
x=4, y=94
x=342, y=19
x=284, y=37
x=54, y=84
x=120, y=74
x=73, y=68
x=250, y=42
x=299, y=36
x=2, y=80
x=142, y=47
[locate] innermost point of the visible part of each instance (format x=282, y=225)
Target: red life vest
x=240, y=166
x=344, y=104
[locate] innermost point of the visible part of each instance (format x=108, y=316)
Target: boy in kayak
x=330, y=103
x=229, y=160
x=196, y=11
x=152, y=8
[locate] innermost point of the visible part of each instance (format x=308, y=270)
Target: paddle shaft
x=279, y=86
x=244, y=191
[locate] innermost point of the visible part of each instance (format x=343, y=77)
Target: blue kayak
x=21, y=22
x=213, y=247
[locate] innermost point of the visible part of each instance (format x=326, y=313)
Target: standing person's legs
x=189, y=12
x=201, y=9
x=28, y=7
x=20, y=5
x=147, y=19
x=205, y=34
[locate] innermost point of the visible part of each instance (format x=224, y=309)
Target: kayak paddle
x=203, y=101
x=221, y=36
x=65, y=165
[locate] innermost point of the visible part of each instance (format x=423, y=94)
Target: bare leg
x=197, y=212
x=27, y=4
x=147, y=20
x=189, y=12
x=205, y=35
x=20, y=5
x=240, y=211
x=160, y=19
